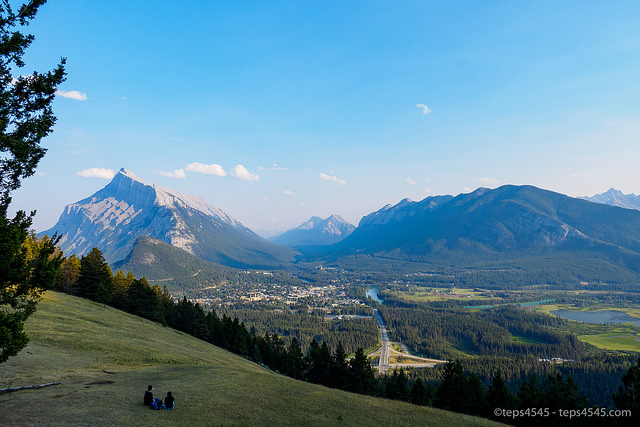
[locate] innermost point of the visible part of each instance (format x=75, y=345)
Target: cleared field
x=622, y=341
x=621, y=337
x=104, y=359
x=440, y=294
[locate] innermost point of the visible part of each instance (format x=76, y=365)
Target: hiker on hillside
x=148, y=396
x=169, y=402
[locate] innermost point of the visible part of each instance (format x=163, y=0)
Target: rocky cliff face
x=127, y=208
x=316, y=231
x=615, y=197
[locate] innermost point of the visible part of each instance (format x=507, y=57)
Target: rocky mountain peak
x=127, y=208
x=316, y=231
x=614, y=197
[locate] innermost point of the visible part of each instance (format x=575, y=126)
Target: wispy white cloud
x=242, y=173
x=488, y=181
x=290, y=193
x=97, y=173
x=411, y=181
x=212, y=169
x=273, y=167
x=178, y=173
x=332, y=178
x=425, y=110
x=72, y=94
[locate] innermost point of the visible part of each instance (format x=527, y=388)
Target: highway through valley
x=383, y=364
x=402, y=359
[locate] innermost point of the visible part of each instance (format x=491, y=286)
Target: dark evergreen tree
x=498, y=395
x=339, y=369
x=562, y=394
x=530, y=394
x=26, y=117
x=143, y=300
x=319, y=361
x=628, y=395
x=397, y=386
x=421, y=395
x=95, y=281
x=475, y=396
x=295, y=360
x=452, y=393
x=363, y=379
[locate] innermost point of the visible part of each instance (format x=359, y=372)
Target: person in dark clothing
x=148, y=396
x=169, y=402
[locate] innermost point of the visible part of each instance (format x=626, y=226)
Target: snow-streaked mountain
x=615, y=197
x=128, y=208
x=406, y=207
x=316, y=231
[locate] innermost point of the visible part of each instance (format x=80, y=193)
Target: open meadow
x=104, y=359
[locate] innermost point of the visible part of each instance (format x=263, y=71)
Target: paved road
x=383, y=364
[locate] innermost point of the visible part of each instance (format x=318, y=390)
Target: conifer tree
x=475, y=396
x=26, y=117
x=628, y=395
x=421, y=394
x=339, y=370
x=295, y=359
x=397, y=386
x=498, y=395
x=363, y=378
x=67, y=275
x=95, y=281
x=452, y=392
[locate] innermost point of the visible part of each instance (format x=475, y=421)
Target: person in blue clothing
x=169, y=402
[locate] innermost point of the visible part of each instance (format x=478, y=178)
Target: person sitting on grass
x=169, y=402
x=148, y=396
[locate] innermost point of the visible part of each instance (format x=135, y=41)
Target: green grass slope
x=104, y=359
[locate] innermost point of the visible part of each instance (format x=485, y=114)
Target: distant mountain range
x=615, y=197
x=161, y=234
x=507, y=223
x=316, y=231
x=127, y=208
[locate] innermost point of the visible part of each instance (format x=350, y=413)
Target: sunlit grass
x=104, y=359
x=622, y=340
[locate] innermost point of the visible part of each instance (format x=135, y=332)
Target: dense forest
x=352, y=333
x=510, y=338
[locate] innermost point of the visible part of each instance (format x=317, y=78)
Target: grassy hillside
x=104, y=359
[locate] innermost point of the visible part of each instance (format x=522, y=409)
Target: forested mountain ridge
x=113, y=219
x=171, y=266
x=509, y=222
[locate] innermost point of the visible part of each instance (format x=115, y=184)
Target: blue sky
x=277, y=111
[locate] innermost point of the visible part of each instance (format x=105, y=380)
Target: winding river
x=373, y=294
